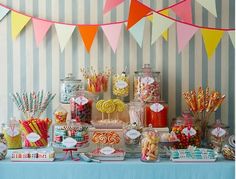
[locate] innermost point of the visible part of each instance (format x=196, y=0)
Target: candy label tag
x=147, y=80
x=69, y=142
x=133, y=134
x=190, y=131
x=156, y=107
x=81, y=100
x=121, y=84
x=33, y=137
x=2, y=147
x=12, y=132
x=107, y=150
x=218, y=132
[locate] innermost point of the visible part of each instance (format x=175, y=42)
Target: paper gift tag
x=33, y=137
x=147, y=80
x=81, y=100
x=133, y=134
x=218, y=132
x=69, y=142
x=190, y=131
x=156, y=107
x=12, y=132
x=2, y=147
x=121, y=84
x=107, y=150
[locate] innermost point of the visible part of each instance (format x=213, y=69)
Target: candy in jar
x=149, y=145
x=60, y=115
x=147, y=85
x=136, y=113
x=3, y=147
x=120, y=85
x=156, y=114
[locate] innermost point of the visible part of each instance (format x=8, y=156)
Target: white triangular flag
x=3, y=12
x=210, y=5
x=232, y=37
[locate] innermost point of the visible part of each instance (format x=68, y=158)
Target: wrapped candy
x=120, y=85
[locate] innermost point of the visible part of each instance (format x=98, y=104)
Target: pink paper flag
x=112, y=32
x=41, y=27
x=110, y=4
x=184, y=11
x=184, y=34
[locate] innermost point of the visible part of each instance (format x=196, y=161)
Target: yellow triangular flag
x=211, y=39
x=150, y=18
x=18, y=22
x=165, y=34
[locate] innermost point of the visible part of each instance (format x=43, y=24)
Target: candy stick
x=35, y=126
x=39, y=142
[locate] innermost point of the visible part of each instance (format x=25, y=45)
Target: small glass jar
x=136, y=113
x=120, y=85
x=217, y=133
x=12, y=134
x=149, y=145
x=3, y=147
x=69, y=86
x=60, y=115
x=156, y=114
x=81, y=106
x=147, y=85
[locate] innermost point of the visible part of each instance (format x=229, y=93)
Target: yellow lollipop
x=108, y=106
x=99, y=105
x=120, y=106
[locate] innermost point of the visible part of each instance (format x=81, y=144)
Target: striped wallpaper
x=23, y=66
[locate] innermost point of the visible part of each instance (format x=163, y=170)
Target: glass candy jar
x=60, y=115
x=3, y=147
x=120, y=85
x=217, y=134
x=81, y=106
x=69, y=86
x=136, y=113
x=149, y=145
x=147, y=85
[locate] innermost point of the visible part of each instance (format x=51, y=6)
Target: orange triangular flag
x=88, y=33
x=137, y=11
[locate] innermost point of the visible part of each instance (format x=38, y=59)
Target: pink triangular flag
x=40, y=29
x=184, y=34
x=184, y=11
x=110, y=4
x=112, y=32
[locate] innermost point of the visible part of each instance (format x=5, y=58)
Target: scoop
x=84, y=157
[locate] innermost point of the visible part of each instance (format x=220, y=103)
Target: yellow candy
x=120, y=106
x=120, y=85
x=108, y=106
x=99, y=105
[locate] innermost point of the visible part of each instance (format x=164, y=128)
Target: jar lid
x=70, y=77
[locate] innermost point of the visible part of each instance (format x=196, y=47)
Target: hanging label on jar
x=12, y=132
x=218, y=132
x=121, y=84
x=156, y=107
x=2, y=147
x=147, y=80
x=133, y=134
x=69, y=142
x=190, y=131
x=81, y=100
x=33, y=137
x=107, y=150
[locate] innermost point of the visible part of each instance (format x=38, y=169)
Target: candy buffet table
x=129, y=169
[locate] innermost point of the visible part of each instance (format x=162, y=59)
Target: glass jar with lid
x=69, y=86
x=3, y=146
x=147, y=85
x=136, y=113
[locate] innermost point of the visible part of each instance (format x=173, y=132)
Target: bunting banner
x=88, y=33
x=112, y=33
x=18, y=22
x=137, y=11
x=211, y=40
x=209, y=5
x=110, y=4
x=64, y=33
x=165, y=33
x=159, y=25
x=184, y=34
x=232, y=37
x=41, y=28
x=184, y=11
x=3, y=12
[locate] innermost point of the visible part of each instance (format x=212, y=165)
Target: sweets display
x=60, y=115
x=97, y=82
x=69, y=86
x=12, y=134
x=149, y=145
x=156, y=114
x=106, y=138
x=228, y=149
x=70, y=136
x=120, y=85
x=35, y=132
x=147, y=85
x=136, y=113
x=81, y=106
x=3, y=147
x=169, y=137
